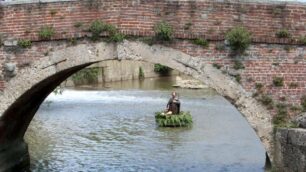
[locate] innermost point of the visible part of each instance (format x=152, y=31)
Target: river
x=112, y=128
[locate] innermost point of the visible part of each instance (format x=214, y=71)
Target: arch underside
x=25, y=92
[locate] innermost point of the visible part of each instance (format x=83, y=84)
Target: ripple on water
x=116, y=131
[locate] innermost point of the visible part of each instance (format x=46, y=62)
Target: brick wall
x=262, y=62
x=265, y=59
x=209, y=19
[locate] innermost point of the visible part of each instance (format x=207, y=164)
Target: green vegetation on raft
x=184, y=119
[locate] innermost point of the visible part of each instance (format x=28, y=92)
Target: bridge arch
x=25, y=92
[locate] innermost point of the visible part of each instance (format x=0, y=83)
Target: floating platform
x=184, y=119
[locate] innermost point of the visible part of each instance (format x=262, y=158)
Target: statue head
x=173, y=94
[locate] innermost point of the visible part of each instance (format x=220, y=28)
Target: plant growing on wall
x=117, y=37
x=216, y=65
x=303, y=103
x=258, y=86
x=97, y=27
x=86, y=76
x=46, y=32
x=238, y=78
x=283, y=33
x=201, y=42
x=1, y=41
x=72, y=41
x=277, y=11
x=111, y=29
x=302, y=40
x=280, y=119
x=187, y=26
x=163, y=31
x=267, y=101
x=278, y=81
x=239, y=39
x=141, y=73
x=24, y=43
x=161, y=69
x=53, y=12
x=238, y=65
x=78, y=24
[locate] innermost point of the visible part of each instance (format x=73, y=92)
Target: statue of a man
x=173, y=106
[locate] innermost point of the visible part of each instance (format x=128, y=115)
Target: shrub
x=184, y=119
x=295, y=108
x=202, y=42
x=1, y=41
x=238, y=65
x=141, y=73
x=303, y=103
x=258, y=86
x=148, y=40
x=96, y=28
x=117, y=37
x=287, y=48
x=187, y=26
x=86, y=76
x=280, y=119
x=277, y=11
x=111, y=29
x=163, y=31
x=266, y=100
x=24, y=43
x=239, y=39
x=283, y=33
x=46, y=32
x=278, y=81
x=53, y=12
x=216, y=65
x=72, y=41
x=302, y=40
x=282, y=98
x=161, y=69
x=78, y=24
x=238, y=78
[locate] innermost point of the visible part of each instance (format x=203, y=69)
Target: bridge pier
x=290, y=150
x=14, y=157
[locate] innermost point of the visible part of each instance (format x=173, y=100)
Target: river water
x=113, y=129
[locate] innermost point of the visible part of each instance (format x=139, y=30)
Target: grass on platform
x=184, y=119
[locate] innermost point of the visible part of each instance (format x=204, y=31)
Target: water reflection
x=114, y=130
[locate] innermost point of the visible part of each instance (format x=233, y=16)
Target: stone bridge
x=29, y=73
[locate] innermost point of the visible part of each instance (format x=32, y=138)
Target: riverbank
x=114, y=71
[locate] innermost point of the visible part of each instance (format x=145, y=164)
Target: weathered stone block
x=10, y=67
x=297, y=137
x=301, y=120
x=10, y=43
x=290, y=150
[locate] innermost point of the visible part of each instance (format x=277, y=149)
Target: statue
x=173, y=105
x=172, y=116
